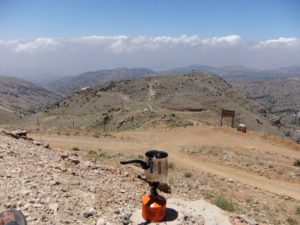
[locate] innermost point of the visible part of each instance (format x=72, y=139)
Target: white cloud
x=227, y=40
x=70, y=56
x=121, y=43
x=282, y=41
x=35, y=45
x=101, y=39
x=8, y=43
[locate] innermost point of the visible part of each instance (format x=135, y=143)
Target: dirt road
x=137, y=142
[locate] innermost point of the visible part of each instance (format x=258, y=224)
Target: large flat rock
x=183, y=212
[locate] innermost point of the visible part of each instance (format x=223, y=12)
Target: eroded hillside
x=155, y=101
x=22, y=97
x=280, y=96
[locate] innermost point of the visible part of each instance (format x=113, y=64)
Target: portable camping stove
x=156, y=171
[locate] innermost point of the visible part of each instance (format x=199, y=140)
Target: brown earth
x=254, y=170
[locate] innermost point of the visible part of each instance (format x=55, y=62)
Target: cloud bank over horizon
x=44, y=57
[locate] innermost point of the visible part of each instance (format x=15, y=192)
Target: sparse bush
x=224, y=204
x=76, y=149
x=297, y=162
x=208, y=195
x=92, y=153
x=188, y=174
x=298, y=210
x=248, y=200
x=171, y=165
x=96, y=135
x=96, y=155
x=292, y=221
x=102, y=155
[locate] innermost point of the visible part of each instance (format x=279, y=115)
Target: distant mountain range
x=68, y=85
x=292, y=71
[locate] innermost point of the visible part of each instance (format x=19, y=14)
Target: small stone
x=126, y=221
x=90, y=212
x=75, y=161
x=55, y=182
x=20, y=133
x=117, y=211
x=101, y=221
x=46, y=145
x=37, y=143
x=64, y=156
x=127, y=215
x=54, y=207
x=230, y=180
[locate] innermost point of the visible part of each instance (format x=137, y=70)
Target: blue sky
x=251, y=19
x=52, y=38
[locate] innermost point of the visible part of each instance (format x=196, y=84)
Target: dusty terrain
x=253, y=170
x=80, y=181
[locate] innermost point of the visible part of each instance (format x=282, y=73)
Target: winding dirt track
x=136, y=142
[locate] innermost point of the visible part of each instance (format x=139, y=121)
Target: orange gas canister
x=154, y=208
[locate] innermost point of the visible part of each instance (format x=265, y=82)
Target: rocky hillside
x=7, y=116
x=280, y=96
x=68, y=85
x=22, y=97
x=66, y=187
x=165, y=100
x=241, y=71
x=247, y=175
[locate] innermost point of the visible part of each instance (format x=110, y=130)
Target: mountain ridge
x=177, y=100
x=68, y=85
x=22, y=97
x=241, y=71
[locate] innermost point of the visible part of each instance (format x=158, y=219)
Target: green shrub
x=224, y=204
x=298, y=210
x=248, y=200
x=76, y=149
x=188, y=174
x=297, y=162
x=171, y=165
x=96, y=155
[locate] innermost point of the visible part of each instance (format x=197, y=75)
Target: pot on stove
x=155, y=165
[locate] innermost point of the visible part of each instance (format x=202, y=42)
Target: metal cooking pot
x=155, y=165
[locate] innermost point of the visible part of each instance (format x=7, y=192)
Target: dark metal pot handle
x=143, y=164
